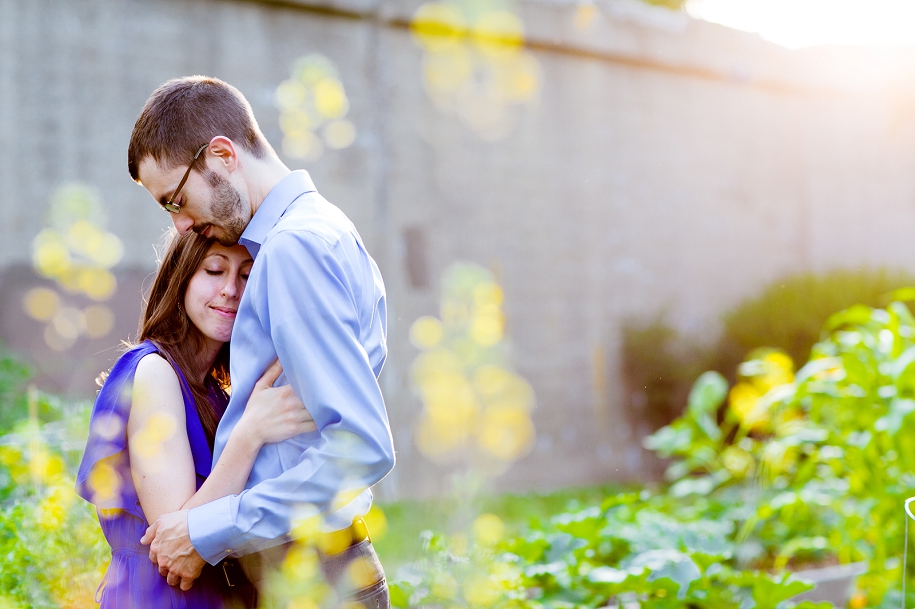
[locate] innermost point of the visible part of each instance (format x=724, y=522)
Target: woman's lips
x=225, y=312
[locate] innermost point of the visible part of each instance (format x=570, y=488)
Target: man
x=314, y=299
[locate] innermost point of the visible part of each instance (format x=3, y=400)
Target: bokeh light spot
x=497, y=32
x=426, y=332
x=69, y=323
x=54, y=339
x=488, y=529
x=41, y=303
x=584, y=16
x=313, y=100
x=158, y=428
x=99, y=321
x=437, y=25
x=339, y=134
x=376, y=522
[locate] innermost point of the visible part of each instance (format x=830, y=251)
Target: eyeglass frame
x=170, y=206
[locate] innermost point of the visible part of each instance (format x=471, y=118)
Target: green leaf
x=708, y=393
x=892, y=421
x=668, y=564
x=902, y=363
x=400, y=594
x=856, y=315
x=669, y=440
x=608, y=575
x=903, y=294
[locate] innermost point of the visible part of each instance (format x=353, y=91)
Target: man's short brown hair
x=185, y=113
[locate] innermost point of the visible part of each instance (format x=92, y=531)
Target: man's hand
x=170, y=547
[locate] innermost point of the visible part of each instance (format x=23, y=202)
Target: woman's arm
x=273, y=414
x=161, y=463
x=162, y=466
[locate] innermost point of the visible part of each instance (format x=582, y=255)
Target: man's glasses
x=170, y=205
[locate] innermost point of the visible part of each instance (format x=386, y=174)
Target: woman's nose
x=232, y=287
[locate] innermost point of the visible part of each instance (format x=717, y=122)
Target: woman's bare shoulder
x=156, y=386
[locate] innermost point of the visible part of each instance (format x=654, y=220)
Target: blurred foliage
x=789, y=314
x=406, y=520
x=52, y=551
x=635, y=549
x=775, y=472
x=659, y=364
x=819, y=460
x=13, y=401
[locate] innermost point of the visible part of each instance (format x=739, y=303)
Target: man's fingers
x=186, y=583
x=173, y=580
x=270, y=375
x=163, y=571
x=150, y=533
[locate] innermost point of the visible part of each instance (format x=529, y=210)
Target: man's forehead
x=156, y=178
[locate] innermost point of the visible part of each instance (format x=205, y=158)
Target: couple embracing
x=200, y=462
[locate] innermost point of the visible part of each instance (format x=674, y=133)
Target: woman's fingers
x=270, y=375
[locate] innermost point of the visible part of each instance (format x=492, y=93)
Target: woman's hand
x=274, y=414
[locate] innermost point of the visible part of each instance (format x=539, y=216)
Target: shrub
x=659, y=364
x=789, y=314
x=821, y=458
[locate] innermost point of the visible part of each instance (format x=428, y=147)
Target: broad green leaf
x=892, y=421
x=669, y=564
x=669, y=440
x=608, y=575
x=902, y=363
x=816, y=366
x=400, y=594
x=853, y=316
x=708, y=393
x=562, y=545
x=903, y=294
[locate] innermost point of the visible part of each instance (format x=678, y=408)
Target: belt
x=231, y=572
x=338, y=541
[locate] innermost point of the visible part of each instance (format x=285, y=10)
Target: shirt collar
x=278, y=200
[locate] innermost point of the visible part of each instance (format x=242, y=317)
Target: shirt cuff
x=211, y=528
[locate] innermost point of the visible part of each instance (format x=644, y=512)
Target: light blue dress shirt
x=316, y=300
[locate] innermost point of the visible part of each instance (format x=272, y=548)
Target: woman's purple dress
x=133, y=581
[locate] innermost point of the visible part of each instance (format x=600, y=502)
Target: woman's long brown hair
x=165, y=322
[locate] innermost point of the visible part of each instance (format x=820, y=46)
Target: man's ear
x=224, y=153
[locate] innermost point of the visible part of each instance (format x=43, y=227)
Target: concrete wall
x=665, y=164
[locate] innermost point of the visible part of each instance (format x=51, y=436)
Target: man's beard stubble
x=227, y=209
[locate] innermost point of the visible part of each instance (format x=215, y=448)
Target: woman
x=152, y=427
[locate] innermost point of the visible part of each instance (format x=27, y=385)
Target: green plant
x=52, y=551
x=659, y=364
x=13, y=402
x=635, y=548
x=822, y=458
x=790, y=313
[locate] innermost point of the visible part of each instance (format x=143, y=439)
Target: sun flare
x=804, y=23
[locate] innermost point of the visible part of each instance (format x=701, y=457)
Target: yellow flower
x=743, y=399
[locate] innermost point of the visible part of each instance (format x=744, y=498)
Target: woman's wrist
x=243, y=434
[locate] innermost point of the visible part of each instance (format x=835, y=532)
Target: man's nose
x=182, y=223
